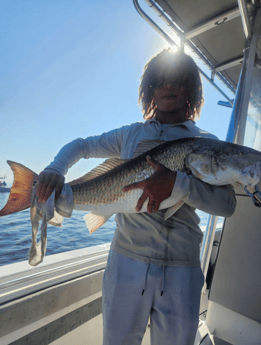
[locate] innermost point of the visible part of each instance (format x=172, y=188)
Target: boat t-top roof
x=217, y=31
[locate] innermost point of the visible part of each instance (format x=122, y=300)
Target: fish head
x=226, y=166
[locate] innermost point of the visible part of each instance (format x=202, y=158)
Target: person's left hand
x=157, y=187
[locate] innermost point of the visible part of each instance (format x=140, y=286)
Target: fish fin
x=57, y=220
x=21, y=191
x=146, y=145
x=173, y=209
x=95, y=221
x=101, y=169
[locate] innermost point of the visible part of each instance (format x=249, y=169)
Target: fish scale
x=105, y=191
x=91, y=193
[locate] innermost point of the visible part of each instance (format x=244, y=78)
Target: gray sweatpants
x=133, y=291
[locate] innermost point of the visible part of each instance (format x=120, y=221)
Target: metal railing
x=207, y=243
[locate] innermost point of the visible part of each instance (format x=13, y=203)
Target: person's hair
x=174, y=68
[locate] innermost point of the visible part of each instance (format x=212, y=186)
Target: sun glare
x=174, y=49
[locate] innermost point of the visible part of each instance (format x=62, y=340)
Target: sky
x=71, y=69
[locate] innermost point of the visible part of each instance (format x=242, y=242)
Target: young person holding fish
x=153, y=267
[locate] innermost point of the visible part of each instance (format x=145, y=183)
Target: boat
x=59, y=301
x=3, y=188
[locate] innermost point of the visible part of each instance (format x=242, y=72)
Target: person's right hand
x=47, y=183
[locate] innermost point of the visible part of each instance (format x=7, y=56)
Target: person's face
x=170, y=98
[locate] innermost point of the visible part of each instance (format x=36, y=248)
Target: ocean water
x=16, y=234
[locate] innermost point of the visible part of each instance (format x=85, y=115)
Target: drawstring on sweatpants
x=162, y=282
x=145, y=280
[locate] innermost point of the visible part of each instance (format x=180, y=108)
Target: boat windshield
x=253, y=123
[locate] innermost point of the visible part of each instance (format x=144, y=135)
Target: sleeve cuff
x=53, y=171
x=181, y=186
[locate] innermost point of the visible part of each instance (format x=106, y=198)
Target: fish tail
x=21, y=191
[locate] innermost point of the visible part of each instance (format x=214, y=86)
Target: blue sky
x=71, y=69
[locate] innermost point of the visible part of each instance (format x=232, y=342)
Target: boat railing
x=207, y=243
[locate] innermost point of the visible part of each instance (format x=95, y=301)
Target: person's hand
x=47, y=183
x=157, y=187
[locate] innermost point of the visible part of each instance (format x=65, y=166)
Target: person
x=153, y=268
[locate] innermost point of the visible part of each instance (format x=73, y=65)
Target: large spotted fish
x=100, y=191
